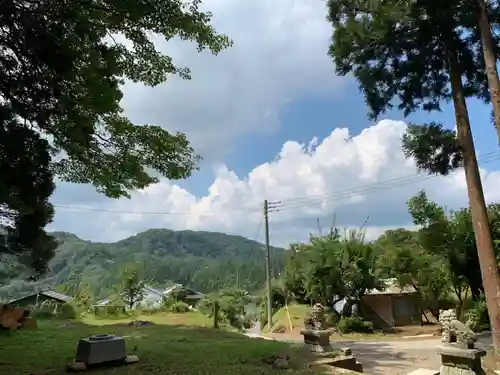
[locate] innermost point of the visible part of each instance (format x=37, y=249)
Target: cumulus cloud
x=279, y=53
x=356, y=180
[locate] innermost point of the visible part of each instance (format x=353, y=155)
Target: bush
x=354, y=324
x=179, y=307
x=67, y=311
x=248, y=321
x=41, y=314
x=477, y=316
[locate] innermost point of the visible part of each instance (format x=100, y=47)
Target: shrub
x=331, y=317
x=477, y=316
x=179, y=307
x=67, y=311
x=248, y=321
x=41, y=314
x=354, y=324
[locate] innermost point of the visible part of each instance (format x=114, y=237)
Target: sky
x=272, y=121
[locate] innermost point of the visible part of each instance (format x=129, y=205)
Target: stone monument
x=99, y=349
x=316, y=337
x=459, y=356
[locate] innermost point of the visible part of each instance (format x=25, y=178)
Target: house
x=36, y=299
x=391, y=307
x=154, y=297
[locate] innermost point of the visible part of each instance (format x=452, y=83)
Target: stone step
x=424, y=371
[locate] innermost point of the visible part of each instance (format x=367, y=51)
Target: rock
x=137, y=323
x=131, y=359
x=278, y=362
x=281, y=363
x=346, y=351
x=76, y=366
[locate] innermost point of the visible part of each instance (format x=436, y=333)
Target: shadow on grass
x=172, y=349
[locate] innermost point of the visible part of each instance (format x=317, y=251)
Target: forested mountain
x=205, y=261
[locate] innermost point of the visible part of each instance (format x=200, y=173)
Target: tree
x=490, y=56
x=25, y=188
x=62, y=64
x=132, y=289
x=421, y=53
x=338, y=268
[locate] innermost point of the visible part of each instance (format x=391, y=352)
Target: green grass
x=162, y=349
x=297, y=315
x=189, y=319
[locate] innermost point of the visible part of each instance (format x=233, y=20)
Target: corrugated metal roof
x=392, y=287
x=56, y=295
x=153, y=290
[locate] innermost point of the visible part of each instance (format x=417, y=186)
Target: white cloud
x=279, y=53
x=342, y=174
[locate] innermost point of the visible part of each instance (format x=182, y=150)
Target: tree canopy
x=62, y=65
x=414, y=55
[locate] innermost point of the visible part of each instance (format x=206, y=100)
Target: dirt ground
x=391, y=355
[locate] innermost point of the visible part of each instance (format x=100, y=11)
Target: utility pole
x=268, y=268
x=237, y=278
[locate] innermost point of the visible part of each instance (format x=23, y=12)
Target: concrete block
x=100, y=349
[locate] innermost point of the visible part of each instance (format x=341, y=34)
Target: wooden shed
x=391, y=307
x=36, y=299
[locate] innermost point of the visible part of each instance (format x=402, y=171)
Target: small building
x=34, y=300
x=154, y=297
x=391, y=307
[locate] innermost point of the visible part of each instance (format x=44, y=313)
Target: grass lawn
x=162, y=349
x=189, y=319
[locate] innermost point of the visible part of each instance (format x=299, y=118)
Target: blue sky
x=251, y=112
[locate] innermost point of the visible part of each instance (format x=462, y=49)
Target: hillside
x=205, y=261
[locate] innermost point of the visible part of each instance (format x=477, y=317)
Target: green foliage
x=335, y=267
x=477, y=316
x=451, y=237
x=232, y=303
x=179, y=307
x=354, y=324
x=54, y=310
x=404, y=258
x=25, y=189
x=435, y=149
x=398, y=50
x=63, y=83
x=132, y=286
x=203, y=261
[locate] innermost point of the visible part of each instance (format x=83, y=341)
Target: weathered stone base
x=342, y=362
x=458, y=361
x=317, y=341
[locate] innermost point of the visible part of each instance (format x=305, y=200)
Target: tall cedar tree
x=418, y=54
x=485, y=11
x=62, y=63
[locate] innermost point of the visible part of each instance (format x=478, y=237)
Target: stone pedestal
x=459, y=361
x=101, y=349
x=317, y=340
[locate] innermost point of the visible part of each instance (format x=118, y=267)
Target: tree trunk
x=482, y=231
x=490, y=61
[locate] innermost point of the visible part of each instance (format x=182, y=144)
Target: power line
x=293, y=203
x=367, y=189
x=408, y=177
